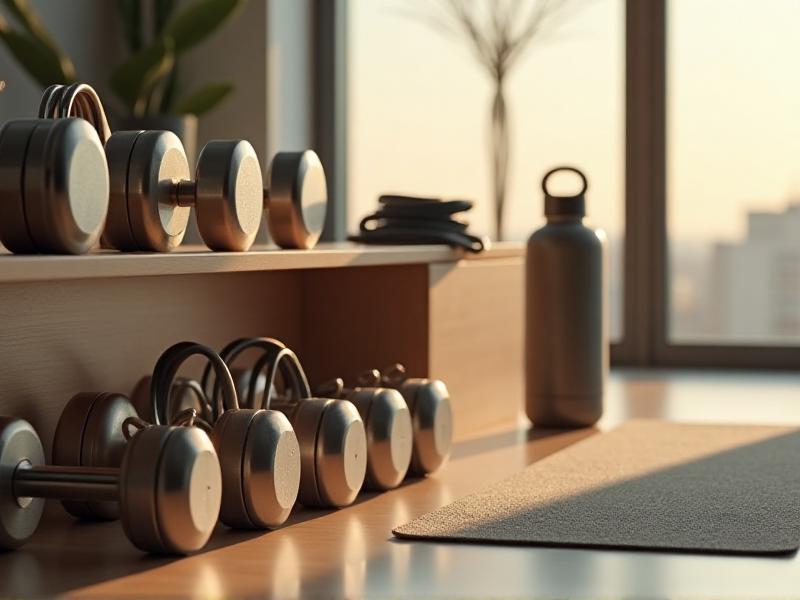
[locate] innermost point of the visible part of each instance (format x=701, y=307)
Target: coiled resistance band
x=412, y=220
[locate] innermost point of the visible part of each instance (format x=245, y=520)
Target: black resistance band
x=411, y=220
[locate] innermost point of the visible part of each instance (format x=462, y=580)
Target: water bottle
x=566, y=346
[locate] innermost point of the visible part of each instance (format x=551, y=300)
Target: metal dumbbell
x=431, y=415
x=387, y=421
x=258, y=451
x=168, y=486
x=151, y=191
x=54, y=181
x=151, y=194
x=333, y=445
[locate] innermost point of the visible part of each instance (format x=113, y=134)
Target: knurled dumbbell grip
x=66, y=483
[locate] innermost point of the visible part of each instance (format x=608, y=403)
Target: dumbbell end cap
x=229, y=192
x=171, y=489
x=19, y=518
x=298, y=199
x=432, y=418
x=389, y=438
x=341, y=453
x=271, y=469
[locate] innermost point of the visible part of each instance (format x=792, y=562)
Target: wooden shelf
x=197, y=260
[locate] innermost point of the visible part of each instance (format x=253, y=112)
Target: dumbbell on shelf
x=151, y=191
x=151, y=194
x=168, y=486
x=53, y=178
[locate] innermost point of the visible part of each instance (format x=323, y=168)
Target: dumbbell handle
x=66, y=483
x=185, y=193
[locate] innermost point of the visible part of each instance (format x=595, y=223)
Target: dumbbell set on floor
x=180, y=454
x=66, y=180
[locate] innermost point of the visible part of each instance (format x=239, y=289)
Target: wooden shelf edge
x=195, y=259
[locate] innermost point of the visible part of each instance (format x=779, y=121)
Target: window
x=733, y=176
x=418, y=117
x=683, y=108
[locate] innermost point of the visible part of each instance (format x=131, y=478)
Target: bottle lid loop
x=565, y=206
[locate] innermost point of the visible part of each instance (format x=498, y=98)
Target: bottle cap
x=565, y=206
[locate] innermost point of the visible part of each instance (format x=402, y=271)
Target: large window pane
x=419, y=106
x=733, y=184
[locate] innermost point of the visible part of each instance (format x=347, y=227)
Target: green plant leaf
x=203, y=100
x=27, y=16
x=41, y=63
x=195, y=23
x=130, y=17
x=32, y=23
x=135, y=79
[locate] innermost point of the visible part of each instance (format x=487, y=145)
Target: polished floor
x=351, y=553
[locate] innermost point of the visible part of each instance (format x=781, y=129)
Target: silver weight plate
x=432, y=417
x=341, y=453
x=19, y=517
x=387, y=421
x=118, y=232
x=229, y=195
x=298, y=199
x=14, y=137
x=157, y=163
x=65, y=186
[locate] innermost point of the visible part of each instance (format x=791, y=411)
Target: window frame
x=645, y=341
x=646, y=300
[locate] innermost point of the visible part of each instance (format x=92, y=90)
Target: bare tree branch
x=498, y=36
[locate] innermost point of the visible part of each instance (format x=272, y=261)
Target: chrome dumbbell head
x=258, y=450
x=431, y=418
x=331, y=433
x=147, y=214
x=53, y=175
x=53, y=186
x=168, y=487
x=297, y=199
x=387, y=421
x=90, y=434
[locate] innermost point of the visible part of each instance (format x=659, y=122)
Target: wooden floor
x=351, y=553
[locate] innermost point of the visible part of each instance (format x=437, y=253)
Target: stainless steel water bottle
x=566, y=353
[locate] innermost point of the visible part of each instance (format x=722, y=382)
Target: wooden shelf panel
x=196, y=260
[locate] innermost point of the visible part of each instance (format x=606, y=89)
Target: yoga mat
x=647, y=484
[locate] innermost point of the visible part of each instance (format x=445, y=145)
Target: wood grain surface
x=198, y=259
x=350, y=553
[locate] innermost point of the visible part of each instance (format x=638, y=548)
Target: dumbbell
x=431, y=415
x=387, y=421
x=333, y=445
x=54, y=182
x=151, y=194
x=151, y=191
x=168, y=486
x=258, y=451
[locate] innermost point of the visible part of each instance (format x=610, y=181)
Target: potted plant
x=149, y=93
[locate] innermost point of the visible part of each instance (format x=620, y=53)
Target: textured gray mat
x=647, y=484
